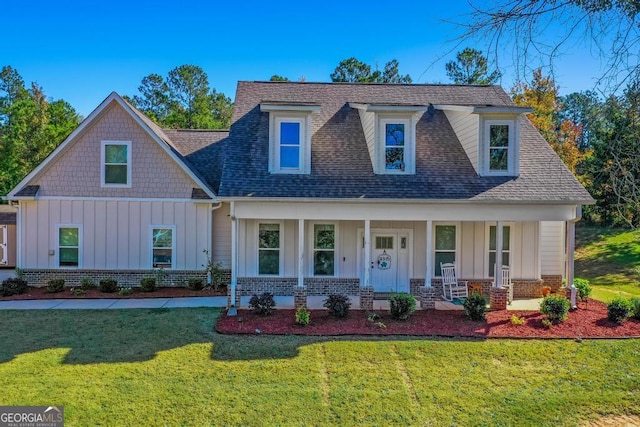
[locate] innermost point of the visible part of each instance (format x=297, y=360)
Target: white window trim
x=311, y=247
x=57, y=257
x=103, y=165
x=487, y=234
x=173, y=244
x=458, y=244
x=409, y=122
x=305, y=141
x=513, y=148
x=280, y=249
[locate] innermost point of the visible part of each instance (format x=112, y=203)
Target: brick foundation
x=330, y=285
x=299, y=297
x=498, y=298
x=282, y=286
x=428, y=298
x=554, y=282
x=366, y=298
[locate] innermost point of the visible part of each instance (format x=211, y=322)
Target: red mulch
x=588, y=321
x=41, y=293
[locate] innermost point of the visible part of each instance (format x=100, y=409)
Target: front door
x=384, y=262
x=3, y=245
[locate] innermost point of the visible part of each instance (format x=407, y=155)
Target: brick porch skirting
x=555, y=282
x=284, y=286
x=521, y=288
x=72, y=277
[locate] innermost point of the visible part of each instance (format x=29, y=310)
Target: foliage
x=148, y=284
x=619, y=309
x=183, y=100
x=19, y=273
x=475, y=307
x=353, y=70
x=635, y=307
x=515, y=320
x=303, y=317
x=125, y=290
x=262, y=305
x=160, y=275
x=470, y=68
x=584, y=289
x=86, y=283
x=108, y=286
x=55, y=286
x=338, y=305
x=195, y=283
x=78, y=291
x=214, y=270
x=547, y=323
x=13, y=286
x=401, y=306
x=556, y=308
x=277, y=78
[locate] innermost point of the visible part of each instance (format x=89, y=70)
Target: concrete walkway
x=113, y=303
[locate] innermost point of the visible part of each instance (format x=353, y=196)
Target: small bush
x=86, y=283
x=262, y=305
x=338, y=305
x=555, y=307
x=475, y=307
x=515, y=320
x=195, y=283
x=619, y=309
x=125, y=290
x=148, y=284
x=303, y=317
x=78, y=291
x=13, y=286
x=108, y=286
x=547, y=323
x=635, y=307
x=373, y=316
x=55, y=286
x=401, y=306
x=584, y=289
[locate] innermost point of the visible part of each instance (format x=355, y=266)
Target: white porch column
x=301, y=252
x=498, y=266
x=234, y=254
x=428, y=263
x=367, y=252
x=571, y=247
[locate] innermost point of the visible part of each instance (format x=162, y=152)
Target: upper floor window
x=289, y=138
x=396, y=146
x=500, y=147
x=116, y=164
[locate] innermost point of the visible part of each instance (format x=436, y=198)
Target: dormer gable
x=390, y=133
x=490, y=136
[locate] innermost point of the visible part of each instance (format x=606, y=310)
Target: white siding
x=552, y=247
x=467, y=129
x=115, y=234
x=368, y=127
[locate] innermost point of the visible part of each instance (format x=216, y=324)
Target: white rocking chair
x=506, y=281
x=451, y=286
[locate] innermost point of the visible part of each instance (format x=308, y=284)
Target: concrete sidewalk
x=113, y=303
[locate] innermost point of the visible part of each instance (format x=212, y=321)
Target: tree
x=183, y=100
x=583, y=108
x=470, y=68
x=354, y=71
x=277, y=78
x=536, y=32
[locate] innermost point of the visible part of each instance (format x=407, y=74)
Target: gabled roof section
x=154, y=131
x=28, y=192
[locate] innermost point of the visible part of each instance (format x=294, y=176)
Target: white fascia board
x=119, y=199
x=393, y=108
x=283, y=107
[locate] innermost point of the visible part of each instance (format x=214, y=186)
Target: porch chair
x=506, y=281
x=451, y=286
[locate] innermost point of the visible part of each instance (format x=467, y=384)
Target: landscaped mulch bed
x=161, y=292
x=588, y=321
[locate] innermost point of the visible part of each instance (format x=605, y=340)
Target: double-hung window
x=396, y=145
x=69, y=246
x=162, y=246
x=324, y=249
x=506, y=239
x=500, y=147
x=445, y=246
x=269, y=249
x=116, y=164
x=289, y=135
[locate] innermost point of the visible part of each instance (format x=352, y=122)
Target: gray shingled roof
x=340, y=162
x=28, y=191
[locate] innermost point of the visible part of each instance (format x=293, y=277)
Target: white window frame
x=280, y=249
x=172, y=227
x=409, y=123
x=512, y=154
x=103, y=164
x=457, y=250
x=311, y=248
x=304, y=160
x=79, y=227
x=488, y=226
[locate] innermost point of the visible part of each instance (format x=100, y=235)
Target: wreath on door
x=384, y=261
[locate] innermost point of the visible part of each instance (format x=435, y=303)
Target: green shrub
x=78, y=291
x=303, y=317
x=475, y=307
x=547, y=323
x=148, y=284
x=555, y=307
x=515, y=320
x=584, y=288
x=635, y=307
x=262, y=305
x=125, y=290
x=86, y=283
x=55, y=286
x=401, y=306
x=13, y=286
x=195, y=283
x=619, y=309
x=338, y=305
x=108, y=286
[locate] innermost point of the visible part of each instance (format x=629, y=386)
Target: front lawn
x=168, y=367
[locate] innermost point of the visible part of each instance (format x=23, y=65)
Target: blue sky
x=81, y=51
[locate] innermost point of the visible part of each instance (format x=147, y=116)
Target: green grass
x=168, y=367
x=610, y=260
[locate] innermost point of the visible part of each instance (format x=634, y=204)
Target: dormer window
x=500, y=147
x=289, y=136
x=394, y=148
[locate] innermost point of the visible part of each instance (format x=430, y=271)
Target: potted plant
x=546, y=290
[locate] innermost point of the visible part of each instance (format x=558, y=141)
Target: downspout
x=210, y=237
x=232, y=311
x=571, y=246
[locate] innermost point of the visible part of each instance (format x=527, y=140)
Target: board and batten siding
x=115, y=234
x=467, y=128
x=368, y=127
x=552, y=247
x=221, y=244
